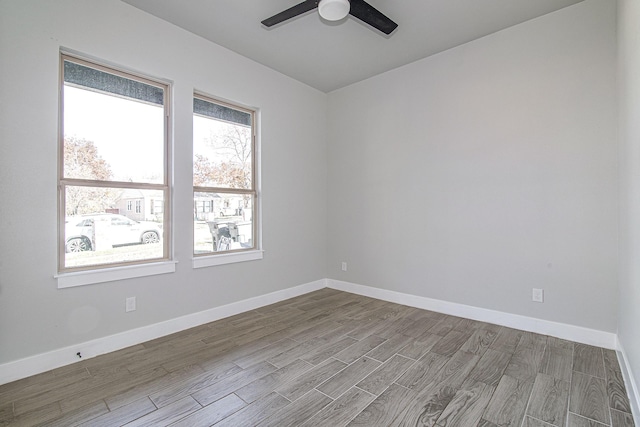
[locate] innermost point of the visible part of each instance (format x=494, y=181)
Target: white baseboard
x=629, y=382
x=39, y=363
x=545, y=327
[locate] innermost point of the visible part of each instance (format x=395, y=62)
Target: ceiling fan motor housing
x=333, y=10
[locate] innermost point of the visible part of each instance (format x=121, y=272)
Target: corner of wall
x=629, y=381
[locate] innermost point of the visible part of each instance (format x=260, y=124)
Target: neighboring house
x=212, y=206
x=140, y=206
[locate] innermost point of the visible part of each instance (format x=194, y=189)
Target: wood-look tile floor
x=332, y=358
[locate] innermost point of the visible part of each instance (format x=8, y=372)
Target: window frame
x=235, y=255
x=80, y=275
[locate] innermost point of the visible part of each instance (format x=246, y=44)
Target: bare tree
x=82, y=161
x=236, y=143
x=230, y=165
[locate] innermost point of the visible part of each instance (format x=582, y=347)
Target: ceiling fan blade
x=292, y=12
x=372, y=16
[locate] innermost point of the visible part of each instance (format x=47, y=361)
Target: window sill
x=213, y=260
x=80, y=278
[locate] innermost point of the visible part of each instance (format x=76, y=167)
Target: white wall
x=629, y=111
x=35, y=316
x=482, y=172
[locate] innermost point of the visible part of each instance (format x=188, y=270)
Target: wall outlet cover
x=538, y=295
x=130, y=304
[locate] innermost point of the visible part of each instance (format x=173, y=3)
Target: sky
x=117, y=125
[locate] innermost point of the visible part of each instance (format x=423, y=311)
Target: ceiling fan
x=335, y=10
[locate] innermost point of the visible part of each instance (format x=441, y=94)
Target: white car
x=79, y=231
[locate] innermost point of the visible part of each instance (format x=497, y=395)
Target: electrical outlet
x=130, y=304
x=537, y=295
x=344, y=266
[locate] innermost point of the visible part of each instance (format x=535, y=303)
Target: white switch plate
x=130, y=304
x=344, y=266
x=537, y=295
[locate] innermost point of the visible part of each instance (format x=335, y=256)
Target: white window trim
x=227, y=258
x=103, y=272
x=90, y=277
x=213, y=259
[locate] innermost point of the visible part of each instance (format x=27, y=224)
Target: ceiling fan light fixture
x=333, y=10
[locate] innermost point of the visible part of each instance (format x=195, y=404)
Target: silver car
x=80, y=231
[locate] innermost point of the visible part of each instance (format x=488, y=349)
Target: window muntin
x=224, y=177
x=113, y=167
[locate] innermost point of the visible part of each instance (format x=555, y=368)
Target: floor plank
x=256, y=411
x=427, y=407
x=616, y=391
x=549, y=400
x=384, y=409
x=348, y=377
x=80, y=415
x=309, y=380
x=479, y=341
x=231, y=383
x=423, y=372
x=578, y=421
x=385, y=375
x=302, y=409
x=467, y=406
x=341, y=410
x=589, y=397
x=445, y=325
x=533, y=422
x=168, y=414
x=390, y=347
x=359, y=349
x=509, y=401
x=180, y=389
x=620, y=418
x=451, y=342
x=490, y=367
x=588, y=360
x=417, y=348
x=507, y=340
x=264, y=385
x=557, y=362
x=212, y=413
x=525, y=362
x=123, y=414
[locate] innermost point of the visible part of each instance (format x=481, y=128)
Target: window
x=113, y=160
x=224, y=184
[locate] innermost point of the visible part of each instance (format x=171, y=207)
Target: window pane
x=222, y=222
x=113, y=127
x=99, y=228
x=222, y=149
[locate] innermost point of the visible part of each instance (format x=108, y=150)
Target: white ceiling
x=328, y=56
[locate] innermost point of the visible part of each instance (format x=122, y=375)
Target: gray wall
x=35, y=316
x=629, y=67
x=482, y=172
